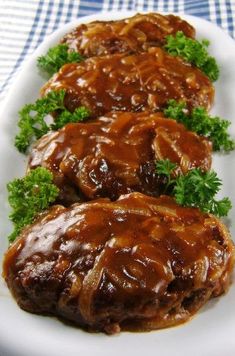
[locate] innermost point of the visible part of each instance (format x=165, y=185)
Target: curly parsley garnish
x=194, y=52
x=32, y=121
x=195, y=189
x=200, y=122
x=28, y=196
x=56, y=57
x=80, y=114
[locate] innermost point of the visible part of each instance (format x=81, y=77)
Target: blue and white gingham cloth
x=25, y=23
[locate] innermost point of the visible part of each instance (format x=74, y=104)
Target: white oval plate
x=211, y=332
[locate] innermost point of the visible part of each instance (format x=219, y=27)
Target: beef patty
x=130, y=35
x=139, y=263
x=116, y=154
x=137, y=82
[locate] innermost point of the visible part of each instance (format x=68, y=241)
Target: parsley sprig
x=199, y=121
x=56, y=57
x=28, y=196
x=32, y=122
x=195, y=189
x=194, y=52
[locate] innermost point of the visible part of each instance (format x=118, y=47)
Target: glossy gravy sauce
x=137, y=82
x=115, y=264
x=116, y=153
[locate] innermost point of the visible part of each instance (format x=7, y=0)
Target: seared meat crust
x=139, y=263
x=116, y=154
x=137, y=82
x=134, y=34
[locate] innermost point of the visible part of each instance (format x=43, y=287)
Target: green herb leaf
x=199, y=121
x=32, y=121
x=56, y=57
x=195, y=189
x=28, y=196
x=220, y=208
x=165, y=167
x=194, y=52
x=80, y=114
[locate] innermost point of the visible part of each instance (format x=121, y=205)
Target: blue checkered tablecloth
x=25, y=23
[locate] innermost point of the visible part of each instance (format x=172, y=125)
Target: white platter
x=211, y=332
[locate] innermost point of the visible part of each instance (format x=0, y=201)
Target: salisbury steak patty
x=133, y=34
x=138, y=82
x=138, y=263
x=116, y=154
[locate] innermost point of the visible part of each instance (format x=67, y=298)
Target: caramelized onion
x=138, y=263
